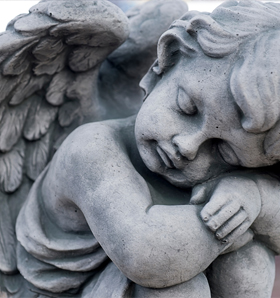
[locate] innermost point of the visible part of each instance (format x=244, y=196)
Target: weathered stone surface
x=180, y=200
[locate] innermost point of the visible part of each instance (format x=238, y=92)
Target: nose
x=188, y=145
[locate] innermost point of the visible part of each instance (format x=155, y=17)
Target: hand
x=234, y=205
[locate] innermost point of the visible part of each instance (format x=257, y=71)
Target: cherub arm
x=231, y=209
x=155, y=246
x=267, y=225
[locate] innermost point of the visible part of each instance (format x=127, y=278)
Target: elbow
x=135, y=258
x=144, y=273
x=150, y=267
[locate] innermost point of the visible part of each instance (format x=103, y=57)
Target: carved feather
x=76, y=17
x=11, y=164
x=11, y=41
x=18, y=62
x=68, y=112
x=106, y=19
x=17, y=97
x=40, y=116
x=7, y=237
x=101, y=39
x=39, y=38
x=48, y=49
x=68, y=11
x=53, y=66
x=10, y=25
x=26, y=25
x=83, y=90
x=17, y=198
x=35, y=74
x=79, y=39
x=61, y=139
x=84, y=58
x=2, y=110
x=28, y=86
x=56, y=91
x=9, y=210
x=13, y=284
x=12, y=124
x=7, y=84
x=37, y=155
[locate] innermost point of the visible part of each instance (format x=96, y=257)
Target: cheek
x=208, y=162
x=143, y=123
x=249, y=150
x=146, y=126
x=206, y=165
x=155, y=121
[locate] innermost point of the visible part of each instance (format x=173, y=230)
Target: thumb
x=199, y=194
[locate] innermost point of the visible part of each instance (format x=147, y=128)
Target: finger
x=240, y=241
x=201, y=192
x=216, y=203
x=199, y=195
x=220, y=218
x=231, y=238
x=231, y=225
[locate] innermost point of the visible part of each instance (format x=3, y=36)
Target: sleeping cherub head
x=213, y=96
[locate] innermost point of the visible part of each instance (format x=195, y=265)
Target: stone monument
x=179, y=200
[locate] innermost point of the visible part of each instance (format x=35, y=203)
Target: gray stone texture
x=102, y=196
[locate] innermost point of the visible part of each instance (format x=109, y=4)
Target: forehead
x=203, y=81
x=204, y=66
x=203, y=78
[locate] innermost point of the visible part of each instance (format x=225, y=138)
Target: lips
x=165, y=158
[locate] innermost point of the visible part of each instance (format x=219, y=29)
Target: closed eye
x=185, y=103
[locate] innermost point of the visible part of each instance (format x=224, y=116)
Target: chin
x=181, y=184
x=178, y=179
x=188, y=179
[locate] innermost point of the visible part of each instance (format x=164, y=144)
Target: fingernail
x=224, y=241
x=218, y=235
x=205, y=218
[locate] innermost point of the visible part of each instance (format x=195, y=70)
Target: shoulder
x=92, y=141
x=92, y=135
x=92, y=151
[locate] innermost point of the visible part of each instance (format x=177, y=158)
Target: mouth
x=165, y=158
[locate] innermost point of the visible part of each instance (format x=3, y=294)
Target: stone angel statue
x=57, y=74
x=180, y=200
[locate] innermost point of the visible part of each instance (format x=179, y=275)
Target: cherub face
x=188, y=129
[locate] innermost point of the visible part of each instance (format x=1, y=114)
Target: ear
x=150, y=80
x=173, y=43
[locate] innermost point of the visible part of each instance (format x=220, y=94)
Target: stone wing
x=49, y=63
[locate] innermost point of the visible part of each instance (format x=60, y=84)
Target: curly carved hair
x=248, y=29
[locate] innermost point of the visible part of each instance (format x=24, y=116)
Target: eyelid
x=185, y=103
